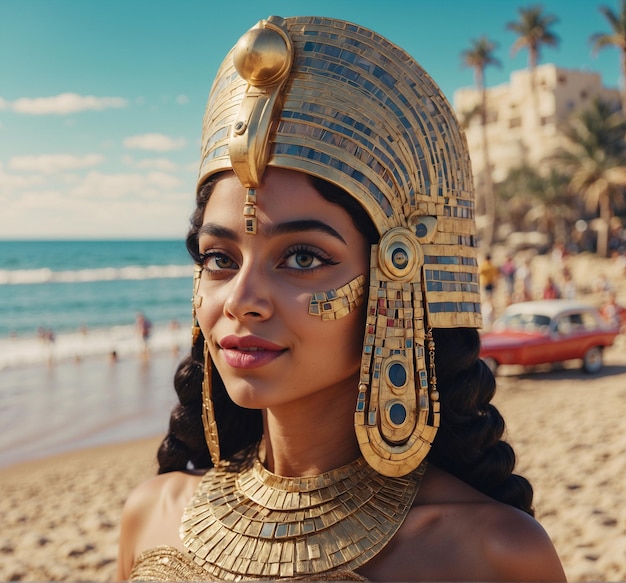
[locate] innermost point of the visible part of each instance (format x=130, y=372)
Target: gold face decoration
x=337, y=303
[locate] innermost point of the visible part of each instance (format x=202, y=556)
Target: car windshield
x=526, y=322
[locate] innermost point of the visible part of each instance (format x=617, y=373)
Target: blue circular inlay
x=397, y=414
x=397, y=374
x=400, y=258
x=421, y=230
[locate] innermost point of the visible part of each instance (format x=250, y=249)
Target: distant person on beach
x=550, y=290
x=144, y=330
x=508, y=269
x=334, y=419
x=523, y=287
x=569, y=290
x=47, y=338
x=174, y=330
x=613, y=312
x=489, y=275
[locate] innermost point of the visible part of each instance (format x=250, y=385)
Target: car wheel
x=491, y=363
x=592, y=361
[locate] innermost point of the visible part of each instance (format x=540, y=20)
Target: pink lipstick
x=248, y=352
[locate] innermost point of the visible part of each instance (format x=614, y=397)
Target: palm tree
x=536, y=201
x=594, y=157
x=533, y=30
x=616, y=38
x=478, y=57
x=552, y=209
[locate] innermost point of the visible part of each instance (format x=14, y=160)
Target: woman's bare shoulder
x=454, y=532
x=152, y=514
x=162, y=488
x=512, y=545
x=517, y=547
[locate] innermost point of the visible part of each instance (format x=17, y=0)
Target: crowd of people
x=515, y=279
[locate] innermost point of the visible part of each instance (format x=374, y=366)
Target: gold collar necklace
x=244, y=522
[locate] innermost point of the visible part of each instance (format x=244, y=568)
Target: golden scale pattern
x=245, y=522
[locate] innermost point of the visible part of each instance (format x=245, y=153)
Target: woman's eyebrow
x=281, y=229
x=217, y=231
x=304, y=225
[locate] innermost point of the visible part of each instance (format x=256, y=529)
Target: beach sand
x=60, y=515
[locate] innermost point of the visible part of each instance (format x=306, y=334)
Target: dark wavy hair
x=468, y=444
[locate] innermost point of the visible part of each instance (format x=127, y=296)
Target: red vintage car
x=548, y=331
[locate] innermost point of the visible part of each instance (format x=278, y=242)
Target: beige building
x=519, y=130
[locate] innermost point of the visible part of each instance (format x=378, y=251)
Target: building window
x=562, y=79
x=584, y=94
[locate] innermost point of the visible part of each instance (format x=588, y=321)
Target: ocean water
x=68, y=393
x=63, y=300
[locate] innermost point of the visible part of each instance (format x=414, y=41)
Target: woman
x=334, y=418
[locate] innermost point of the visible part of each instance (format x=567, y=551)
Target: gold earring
x=196, y=302
x=208, y=411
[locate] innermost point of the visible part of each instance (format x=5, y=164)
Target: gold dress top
x=169, y=565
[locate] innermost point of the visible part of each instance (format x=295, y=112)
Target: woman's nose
x=248, y=296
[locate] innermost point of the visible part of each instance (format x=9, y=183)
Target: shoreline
x=66, y=406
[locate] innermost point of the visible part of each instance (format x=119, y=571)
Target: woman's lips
x=249, y=352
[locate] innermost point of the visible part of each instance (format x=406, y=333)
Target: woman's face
x=256, y=291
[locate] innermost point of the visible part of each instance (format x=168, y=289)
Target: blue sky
x=101, y=102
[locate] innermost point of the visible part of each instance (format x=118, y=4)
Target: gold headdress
x=339, y=102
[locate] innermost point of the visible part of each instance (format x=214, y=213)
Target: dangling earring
x=392, y=421
x=196, y=302
x=208, y=412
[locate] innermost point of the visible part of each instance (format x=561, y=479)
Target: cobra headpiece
x=340, y=102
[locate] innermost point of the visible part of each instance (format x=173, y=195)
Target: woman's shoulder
x=152, y=515
x=163, y=487
x=454, y=532
x=510, y=545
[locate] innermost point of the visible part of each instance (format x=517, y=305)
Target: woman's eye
x=213, y=261
x=302, y=260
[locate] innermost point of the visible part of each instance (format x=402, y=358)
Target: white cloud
x=182, y=99
x=154, y=142
x=161, y=164
x=13, y=182
x=52, y=163
x=64, y=104
x=163, y=180
x=91, y=203
x=117, y=186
